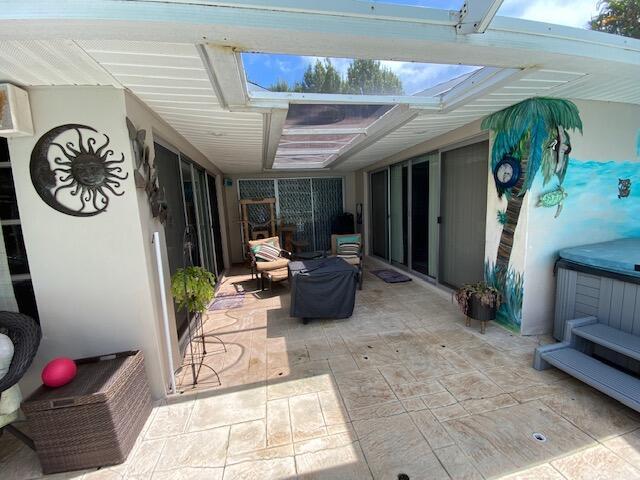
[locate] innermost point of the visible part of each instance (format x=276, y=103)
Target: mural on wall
x=81, y=177
x=529, y=137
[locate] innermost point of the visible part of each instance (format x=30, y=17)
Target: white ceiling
x=170, y=77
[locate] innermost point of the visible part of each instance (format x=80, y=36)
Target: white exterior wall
x=608, y=149
x=90, y=274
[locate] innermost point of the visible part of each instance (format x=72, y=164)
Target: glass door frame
x=409, y=163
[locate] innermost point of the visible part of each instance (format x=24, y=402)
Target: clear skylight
x=315, y=133
x=277, y=72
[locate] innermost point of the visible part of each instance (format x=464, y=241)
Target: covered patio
x=206, y=153
x=403, y=387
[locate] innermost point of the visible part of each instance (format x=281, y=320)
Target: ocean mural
x=530, y=137
x=594, y=210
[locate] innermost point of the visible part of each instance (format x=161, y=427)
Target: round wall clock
x=507, y=172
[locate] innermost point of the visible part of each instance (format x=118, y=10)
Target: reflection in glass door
x=399, y=213
x=420, y=217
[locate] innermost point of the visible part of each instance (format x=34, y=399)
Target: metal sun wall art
x=82, y=176
x=146, y=175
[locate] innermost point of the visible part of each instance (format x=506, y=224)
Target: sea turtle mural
x=529, y=137
x=553, y=199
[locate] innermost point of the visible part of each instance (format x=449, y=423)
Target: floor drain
x=403, y=476
x=538, y=437
x=366, y=358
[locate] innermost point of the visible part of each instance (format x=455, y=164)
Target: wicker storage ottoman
x=94, y=420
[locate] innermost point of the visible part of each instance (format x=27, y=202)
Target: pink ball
x=59, y=372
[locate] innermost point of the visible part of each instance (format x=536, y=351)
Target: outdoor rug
x=391, y=276
x=227, y=301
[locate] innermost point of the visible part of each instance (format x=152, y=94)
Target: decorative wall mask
x=145, y=175
x=81, y=176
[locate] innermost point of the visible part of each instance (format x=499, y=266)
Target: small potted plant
x=479, y=301
x=193, y=288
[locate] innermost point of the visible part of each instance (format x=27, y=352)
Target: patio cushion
x=266, y=266
x=266, y=252
x=347, y=249
x=350, y=259
x=342, y=239
x=278, y=274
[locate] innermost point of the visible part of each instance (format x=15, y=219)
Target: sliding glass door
x=399, y=213
x=212, y=193
x=379, y=214
x=420, y=217
x=404, y=214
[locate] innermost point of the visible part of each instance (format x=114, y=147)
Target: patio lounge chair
x=349, y=248
x=266, y=255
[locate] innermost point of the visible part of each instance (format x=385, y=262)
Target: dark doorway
x=420, y=217
x=379, y=215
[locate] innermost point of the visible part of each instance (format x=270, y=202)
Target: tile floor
x=401, y=387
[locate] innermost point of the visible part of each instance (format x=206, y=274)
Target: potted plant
x=193, y=288
x=479, y=301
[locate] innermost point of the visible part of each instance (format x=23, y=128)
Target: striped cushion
x=266, y=252
x=348, y=249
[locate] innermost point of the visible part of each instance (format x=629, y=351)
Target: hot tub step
x=613, y=382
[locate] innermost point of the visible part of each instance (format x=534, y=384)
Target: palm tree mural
x=534, y=133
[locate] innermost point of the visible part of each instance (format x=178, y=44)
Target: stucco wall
x=90, y=275
x=233, y=210
x=592, y=212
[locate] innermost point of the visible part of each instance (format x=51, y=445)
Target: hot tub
x=603, y=280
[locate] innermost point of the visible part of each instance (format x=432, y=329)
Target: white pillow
x=6, y=354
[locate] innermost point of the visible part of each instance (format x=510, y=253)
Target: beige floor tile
x=364, y=388
x=441, y=399
x=169, y=420
x=417, y=389
x=594, y=413
x=272, y=469
x=205, y=449
x=596, y=463
x=344, y=462
x=449, y=412
x=539, y=391
x=221, y=409
x=485, y=358
x=457, y=464
x=479, y=405
x=394, y=445
x=301, y=379
x=431, y=429
x=343, y=363
x=379, y=410
x=540, y=472
x=471, y=385
x=413, y=404
x=626, y=446
x=247, y=437
x=282, y=451
x=190, y=474
x=333, y=409
x=144, y=458
x=396, y=374
x=306, y=417
x=278, y=422
x=501, y=442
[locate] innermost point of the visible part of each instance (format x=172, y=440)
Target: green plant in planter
x=488, y=296
x=193, y=288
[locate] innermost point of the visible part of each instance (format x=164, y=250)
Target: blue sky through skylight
x=266, y=69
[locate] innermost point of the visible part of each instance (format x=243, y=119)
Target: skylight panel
x=305, y=74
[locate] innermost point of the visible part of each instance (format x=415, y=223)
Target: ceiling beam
x=476, y=15
x=266, y=98
x=480, y=83
x=389, y=122
x=273, y=126
x=334, y=28
x=323, y=131
x=226, y=73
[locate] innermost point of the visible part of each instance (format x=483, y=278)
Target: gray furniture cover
x=322, y=288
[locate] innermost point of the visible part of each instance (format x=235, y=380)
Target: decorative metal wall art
x=145, y=174
x=80, y=178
